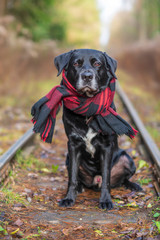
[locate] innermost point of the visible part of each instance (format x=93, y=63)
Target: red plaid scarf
x=102, y=118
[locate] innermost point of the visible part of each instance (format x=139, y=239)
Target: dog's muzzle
x=88, y=91
x=87, y=83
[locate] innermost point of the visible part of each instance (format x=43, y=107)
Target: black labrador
x=94, y=160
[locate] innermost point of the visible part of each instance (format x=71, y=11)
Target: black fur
x=89, y=71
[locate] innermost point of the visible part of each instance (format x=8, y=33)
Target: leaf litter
x=38, y=216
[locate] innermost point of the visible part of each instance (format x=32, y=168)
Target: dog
x=94, y=160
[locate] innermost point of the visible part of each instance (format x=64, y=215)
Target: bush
x=39, y=18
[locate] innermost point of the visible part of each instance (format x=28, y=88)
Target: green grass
x=11, y=197
x=26, y=93
x=154, y=133
x=29, y=161
x=144, y=181
x=55, y=168
x=22, y=162
x=7, y=135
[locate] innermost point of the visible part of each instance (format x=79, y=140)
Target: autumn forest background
x=33, y=32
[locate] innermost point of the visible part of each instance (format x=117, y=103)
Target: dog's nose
x=87, y=76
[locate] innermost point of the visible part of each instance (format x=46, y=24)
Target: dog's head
x=88, y=70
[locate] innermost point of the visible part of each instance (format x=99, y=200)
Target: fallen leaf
x=18, y=222
x=130, y=229
x=142, y=234
x=33, y=175
x=78, y=228
x=118, y=197
x=142, y=164
x=141, y=204
x=132, y=204
x=146, y=198
x=99, y=232
x=44, y=155
x=18, y=209
x=59, y=179
x=156, y=215
x=29, y=199
x=158, y=225
x=2, y=214
x=134, y=153
x=120, y=202
x=139, y=238
x=15, y=231
x=129, y=195
x=114, y=231
x=65, y=231
x=19, y=205
x=125, y=232
x=45, y=170
x=1, y=229
x=149, y=205
x=27, y=190
x=52, y=179
x=140, y=194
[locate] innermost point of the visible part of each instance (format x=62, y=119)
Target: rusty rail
x=150, y=145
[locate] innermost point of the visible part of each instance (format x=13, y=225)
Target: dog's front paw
x=108, y=205
x=66, y=202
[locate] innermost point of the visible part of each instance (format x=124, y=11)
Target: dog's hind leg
x=123, y=168
x=132, y=186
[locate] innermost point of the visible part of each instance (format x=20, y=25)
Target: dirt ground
x=29, y=204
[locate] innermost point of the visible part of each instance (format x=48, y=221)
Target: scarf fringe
x=113, y=124
x=43, y=121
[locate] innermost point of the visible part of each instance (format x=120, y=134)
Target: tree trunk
x=3, y=4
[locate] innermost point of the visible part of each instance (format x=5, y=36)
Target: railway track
x=42, y=218
x=149, y=144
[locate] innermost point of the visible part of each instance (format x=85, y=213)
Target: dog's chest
x=87, y=139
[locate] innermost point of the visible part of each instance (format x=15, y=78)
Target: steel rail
x=11, y=152
x=149, y=143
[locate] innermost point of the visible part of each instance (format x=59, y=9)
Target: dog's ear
x=62, y=61
x=111, y=64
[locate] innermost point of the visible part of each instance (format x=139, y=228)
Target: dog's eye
x=96, y=64
x=76, y=64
